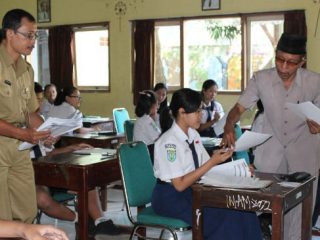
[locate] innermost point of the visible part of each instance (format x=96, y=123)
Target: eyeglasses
x=290, y=63
x=77, y=97
x=29, y=35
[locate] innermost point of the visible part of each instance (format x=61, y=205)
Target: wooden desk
x=95, y=140
x=78, y=173
x=274, y=199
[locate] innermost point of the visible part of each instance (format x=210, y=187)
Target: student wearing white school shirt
x=145, y=128
x=67, y=106
x=50, y=94
x=180, y=160
x=212, y=110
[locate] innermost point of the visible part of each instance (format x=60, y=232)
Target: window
x=91, y=58
x=189, y=51
x=90, y=48
x=39, y=58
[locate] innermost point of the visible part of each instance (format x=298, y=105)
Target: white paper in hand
x=306, y=110
x=250, y=139
x=58, y=127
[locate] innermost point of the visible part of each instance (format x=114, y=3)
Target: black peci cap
x=294, y=44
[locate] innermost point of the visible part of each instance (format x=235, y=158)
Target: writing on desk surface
x=238, y=201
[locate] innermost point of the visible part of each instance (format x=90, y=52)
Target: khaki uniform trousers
x=17, y=186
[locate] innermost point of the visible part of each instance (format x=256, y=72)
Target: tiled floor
x=116, y=211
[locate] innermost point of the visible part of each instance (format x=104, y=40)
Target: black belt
x=159, y=181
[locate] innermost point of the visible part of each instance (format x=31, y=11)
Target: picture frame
x=44, y=11
x=211, y=5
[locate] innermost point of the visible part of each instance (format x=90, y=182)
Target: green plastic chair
x=128, y=129
x=139, y=181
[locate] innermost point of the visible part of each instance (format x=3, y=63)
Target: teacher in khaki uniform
x=294, y=145
x=17, y=117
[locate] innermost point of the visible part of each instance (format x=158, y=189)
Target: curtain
x=295, y=22
x=143, y=62
x=60, y=58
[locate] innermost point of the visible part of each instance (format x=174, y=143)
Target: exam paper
x=238, y=168
x=305, y=110
x=58, y=127
x=250, y=139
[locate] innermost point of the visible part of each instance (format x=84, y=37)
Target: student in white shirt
x=50, y=94
x=145, y=128
x=67, y=106
x=212, y=110
x=180, y=160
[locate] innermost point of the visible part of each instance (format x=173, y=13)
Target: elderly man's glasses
x=29, y=35
x=77, y=97
x=290, y=63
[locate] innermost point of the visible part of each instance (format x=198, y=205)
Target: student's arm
x=30, y=231
x=208, y=124
x=219, y=156
x=233, y=117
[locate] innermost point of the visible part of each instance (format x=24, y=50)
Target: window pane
x=92, y=58
x=167, y=54
x=212, y=50
x=39, y=59
x=264, y=35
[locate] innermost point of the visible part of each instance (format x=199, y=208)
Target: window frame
x=86, y=27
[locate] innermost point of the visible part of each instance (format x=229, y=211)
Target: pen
x=80, y=153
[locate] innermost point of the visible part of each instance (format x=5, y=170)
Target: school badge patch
x=171, y=152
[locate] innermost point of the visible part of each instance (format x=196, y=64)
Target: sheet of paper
x=238, y=168
x=250, y=139
x=305, y=110
x=58, y=127
x=219, y=126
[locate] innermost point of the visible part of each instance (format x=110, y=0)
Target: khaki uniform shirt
x=292, y=147
x=17, y=96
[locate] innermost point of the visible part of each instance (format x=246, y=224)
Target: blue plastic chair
x=120, y=115
x=241, y=154
x=139, y=181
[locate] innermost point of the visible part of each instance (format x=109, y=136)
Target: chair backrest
x=120, y=115
x=241, y=154
x=137, y=173
x=128, y=129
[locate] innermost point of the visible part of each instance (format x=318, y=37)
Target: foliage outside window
x=214, y=48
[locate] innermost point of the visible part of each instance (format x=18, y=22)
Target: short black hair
x=160, y=86
x=12, y=20
x=186, y=98
x=67, y=91
x=46, y=88
x=38, y=88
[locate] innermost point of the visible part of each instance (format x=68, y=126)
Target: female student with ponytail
x=180, y=160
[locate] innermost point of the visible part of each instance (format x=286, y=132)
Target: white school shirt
x=172, y=155
x=65, y=111
x=45, y=108
x=146, y=130
x=217, y=108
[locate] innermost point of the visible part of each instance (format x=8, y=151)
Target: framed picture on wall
x=210, y=4
x=44, y=11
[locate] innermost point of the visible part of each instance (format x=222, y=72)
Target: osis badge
x=171, y=152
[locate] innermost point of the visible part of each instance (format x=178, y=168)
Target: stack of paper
x=250, y=139
x=57, y=126
x=235, y=174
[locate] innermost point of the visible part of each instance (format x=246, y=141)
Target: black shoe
x=265, y=223
x=107, y=228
